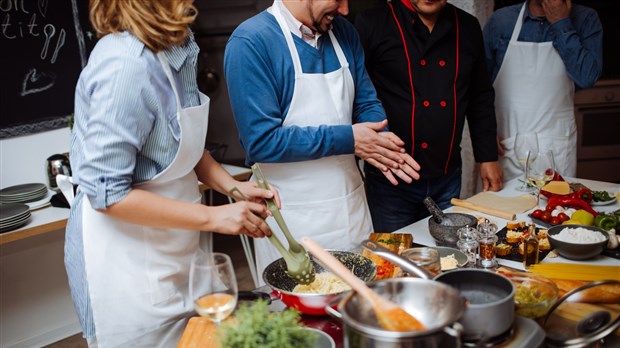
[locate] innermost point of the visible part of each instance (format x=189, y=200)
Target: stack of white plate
x=23, y=193
x=13, y=215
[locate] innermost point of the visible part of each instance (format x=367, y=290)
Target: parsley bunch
x=255, y=326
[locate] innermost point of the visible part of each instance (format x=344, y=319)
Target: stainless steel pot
x=436, y=305
x=490, y=302
x=490, y=296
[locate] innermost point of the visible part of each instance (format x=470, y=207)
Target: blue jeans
x=394, y=207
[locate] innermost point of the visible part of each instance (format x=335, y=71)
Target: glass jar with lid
x=468, y=243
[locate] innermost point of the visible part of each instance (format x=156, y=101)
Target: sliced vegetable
x=601, y=196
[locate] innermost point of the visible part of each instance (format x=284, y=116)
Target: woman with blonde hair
x=137, y=153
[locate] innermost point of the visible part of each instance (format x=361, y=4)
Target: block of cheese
x=557, y=187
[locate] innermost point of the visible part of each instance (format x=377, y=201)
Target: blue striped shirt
x=125, y=132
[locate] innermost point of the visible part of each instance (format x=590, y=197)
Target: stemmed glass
x=539, y=170
x=213, y=285
x=525, y=145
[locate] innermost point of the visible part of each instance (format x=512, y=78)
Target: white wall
x=35, y=303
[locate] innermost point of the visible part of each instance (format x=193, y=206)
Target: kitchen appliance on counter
x=57, y=164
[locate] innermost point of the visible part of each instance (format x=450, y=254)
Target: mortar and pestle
x=444, y=226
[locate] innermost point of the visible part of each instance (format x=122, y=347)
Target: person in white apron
x=314, y=171
x=534, y=93
x=136, y=252
x=324, y=198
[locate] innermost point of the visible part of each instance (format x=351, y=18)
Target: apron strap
x=166, y=65
x=288, y=36
x=519, y=24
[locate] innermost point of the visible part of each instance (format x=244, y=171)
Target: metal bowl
x=314, y=304
x=577, y=251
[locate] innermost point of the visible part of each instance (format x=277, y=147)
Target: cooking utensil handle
x=404, y=263
x=339, y=269
x=275, y=212
x=491, y=211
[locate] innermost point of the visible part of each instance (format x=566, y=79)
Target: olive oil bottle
x=530, y=247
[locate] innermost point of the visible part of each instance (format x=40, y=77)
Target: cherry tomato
x=555, y=220
x=549, y=208
x=563, y=217
x=546, y=216
x=537, y=213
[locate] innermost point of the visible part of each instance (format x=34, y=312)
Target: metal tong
x=298, y=264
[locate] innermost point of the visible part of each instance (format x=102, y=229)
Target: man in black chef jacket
x=427, y=62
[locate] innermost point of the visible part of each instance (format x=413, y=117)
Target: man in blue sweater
x=537, y=52
x=305, y=107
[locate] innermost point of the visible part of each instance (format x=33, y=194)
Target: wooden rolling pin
x=491, y=211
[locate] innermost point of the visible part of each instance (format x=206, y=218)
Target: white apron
x=324, y=198
x=533, y=93
x=137, y=275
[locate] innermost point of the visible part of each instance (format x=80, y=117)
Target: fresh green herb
x=389, y=241
x=601, y=196
x=255, y=326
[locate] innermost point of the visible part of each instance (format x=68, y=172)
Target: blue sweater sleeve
x=260, y=79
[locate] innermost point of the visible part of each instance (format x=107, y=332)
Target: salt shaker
x=468, y=243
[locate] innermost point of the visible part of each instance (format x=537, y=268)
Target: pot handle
x=254, y=296
x=329, y=308
x=455, y=331
x=404, y=263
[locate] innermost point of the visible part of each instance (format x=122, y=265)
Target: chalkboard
x=44, y=46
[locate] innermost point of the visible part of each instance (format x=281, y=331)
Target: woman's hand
x=241, y=218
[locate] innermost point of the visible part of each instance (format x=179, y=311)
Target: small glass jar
x=468, y=244
x=427, y=258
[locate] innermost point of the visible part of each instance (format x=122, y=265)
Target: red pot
x=314, y=304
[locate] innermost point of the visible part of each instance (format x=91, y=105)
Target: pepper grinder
x=468, y=243
x=487, y=242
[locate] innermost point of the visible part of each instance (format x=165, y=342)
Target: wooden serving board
x=199, y=333
x=396, y=242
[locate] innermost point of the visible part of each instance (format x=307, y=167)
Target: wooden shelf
x=52, y=219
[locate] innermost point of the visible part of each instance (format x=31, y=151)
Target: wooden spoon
x=391, y=316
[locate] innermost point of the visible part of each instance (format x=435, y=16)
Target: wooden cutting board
x=395, y=242
x=199, y=333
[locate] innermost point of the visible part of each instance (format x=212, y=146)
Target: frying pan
x=314, y=304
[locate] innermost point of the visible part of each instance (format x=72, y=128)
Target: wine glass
x=213, y=285
x=525, y=144
x=539, y=170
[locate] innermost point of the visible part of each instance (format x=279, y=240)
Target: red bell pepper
x=583, y=194
x=572, y=202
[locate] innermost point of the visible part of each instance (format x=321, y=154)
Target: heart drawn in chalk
x=35, y=82
x=42, y=4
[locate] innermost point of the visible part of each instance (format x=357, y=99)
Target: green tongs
x=298, y=264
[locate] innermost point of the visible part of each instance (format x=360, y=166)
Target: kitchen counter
x=421, y=234
x=52, y=219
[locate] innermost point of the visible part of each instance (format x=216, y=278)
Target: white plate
x=41, y=203
x=611, y=201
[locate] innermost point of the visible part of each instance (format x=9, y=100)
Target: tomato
x=563, y=217
x=549, y=208
x=380, y=270
x=555, y=220
x=537, y=213
x=546, y=216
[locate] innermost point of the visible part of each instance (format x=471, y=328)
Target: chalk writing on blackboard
x=48, y=48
